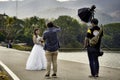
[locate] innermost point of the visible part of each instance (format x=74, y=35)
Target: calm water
x=109, y=59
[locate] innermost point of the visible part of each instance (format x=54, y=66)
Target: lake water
x=109, y=59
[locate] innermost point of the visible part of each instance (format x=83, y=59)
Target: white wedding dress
x=37, y=59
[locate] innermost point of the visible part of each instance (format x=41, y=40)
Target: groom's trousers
x=51, y=59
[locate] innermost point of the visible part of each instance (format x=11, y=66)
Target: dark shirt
x=51, y=39
x=90, y=35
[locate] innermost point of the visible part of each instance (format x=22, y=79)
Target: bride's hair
x=35, y=32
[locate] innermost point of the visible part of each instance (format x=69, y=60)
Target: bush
x=22, y=47
x=2, y=37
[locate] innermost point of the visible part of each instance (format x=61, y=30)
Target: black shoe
x=96, y=76
x=54, y=75
x=91, y=76
x=47, y=76
x=43, y=69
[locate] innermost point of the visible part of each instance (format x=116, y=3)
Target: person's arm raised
x=57, y=28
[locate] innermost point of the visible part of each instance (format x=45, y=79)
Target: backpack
x=93, y=41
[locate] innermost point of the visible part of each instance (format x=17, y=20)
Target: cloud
x=9, y=0
x=65, y=0
x=116, y=14
x=16, y=0
x=4, y=0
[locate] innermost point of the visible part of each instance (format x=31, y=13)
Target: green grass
x=29, y=48
x=4, y=76
x=71, y=49
x=22, y=47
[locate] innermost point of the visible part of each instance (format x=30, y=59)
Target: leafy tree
x=71, y=36
x=111, y=35
x=70, y=28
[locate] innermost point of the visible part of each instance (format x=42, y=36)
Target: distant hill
x=111, y=38
x=56, y=12
x=53, y=9
x=104, y=18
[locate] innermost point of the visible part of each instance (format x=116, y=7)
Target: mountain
x=56, y=12
x=26, y=8
x=107, y=10
x=104, y=18
x=116, y=14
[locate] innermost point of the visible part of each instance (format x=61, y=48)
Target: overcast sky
x=9, y=0
x=111, y=7
x=65, y=0
x=57, y=0
x=106, y=5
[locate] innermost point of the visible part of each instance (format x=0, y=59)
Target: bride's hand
x=42, y=44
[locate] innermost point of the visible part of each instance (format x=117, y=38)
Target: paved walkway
x=67, y=70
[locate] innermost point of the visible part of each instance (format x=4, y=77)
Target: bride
x=36, y=60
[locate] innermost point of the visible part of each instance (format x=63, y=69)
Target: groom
x=51, y=47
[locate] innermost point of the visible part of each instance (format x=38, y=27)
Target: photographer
x=51, y=47
x=93, y=50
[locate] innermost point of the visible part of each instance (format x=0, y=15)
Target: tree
x=111, y=35
x=13, y=27
x=29, y=26
x=70, y=28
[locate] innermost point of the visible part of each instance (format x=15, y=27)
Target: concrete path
x=67, y=70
